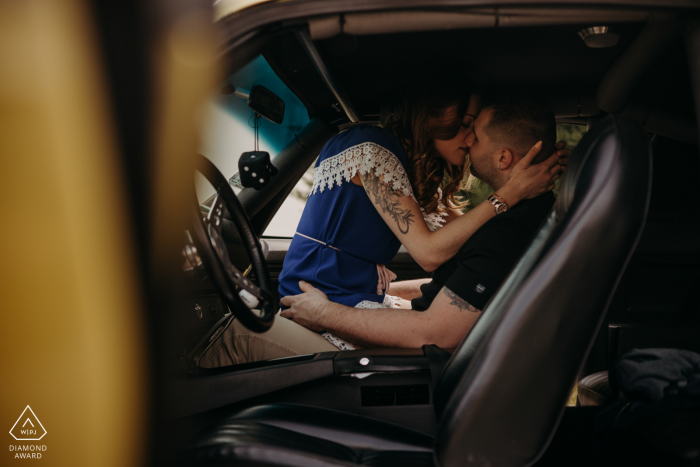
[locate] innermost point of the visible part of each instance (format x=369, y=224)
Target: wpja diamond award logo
x=28, y=428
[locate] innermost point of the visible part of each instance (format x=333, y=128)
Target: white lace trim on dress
x=338, y=342
x=363, y=158
x=389, y=302
x=436, y=220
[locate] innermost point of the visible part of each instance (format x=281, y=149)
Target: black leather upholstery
x=288, y=434
x=594, y=390
x=352, y=430
x=597, y=153
x=503, y=392
x=514, y=370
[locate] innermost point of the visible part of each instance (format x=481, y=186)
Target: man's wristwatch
x=498, y=203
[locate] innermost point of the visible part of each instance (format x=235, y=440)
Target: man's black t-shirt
x=479, y=267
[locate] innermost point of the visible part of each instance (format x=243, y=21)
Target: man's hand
x=445, y=323
x=308, y=308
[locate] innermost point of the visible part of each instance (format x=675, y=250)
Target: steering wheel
x=241, y=294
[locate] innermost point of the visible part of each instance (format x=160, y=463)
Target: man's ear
x=506, y=159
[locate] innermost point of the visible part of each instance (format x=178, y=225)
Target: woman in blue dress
x=376, y=188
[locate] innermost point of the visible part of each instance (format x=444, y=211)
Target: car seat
x=501, y=396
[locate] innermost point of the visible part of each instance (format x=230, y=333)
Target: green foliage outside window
x=477, y=191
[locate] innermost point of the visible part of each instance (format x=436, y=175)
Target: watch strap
x=498, y=204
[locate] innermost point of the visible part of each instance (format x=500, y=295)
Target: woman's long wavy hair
x=434, y=114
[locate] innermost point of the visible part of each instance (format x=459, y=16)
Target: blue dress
x=341, y=237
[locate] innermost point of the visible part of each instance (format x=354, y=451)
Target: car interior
x=633, y=93
x=613, y=267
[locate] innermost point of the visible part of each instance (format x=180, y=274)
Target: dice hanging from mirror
x=256, y=169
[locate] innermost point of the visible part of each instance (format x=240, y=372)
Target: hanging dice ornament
x=256, y=169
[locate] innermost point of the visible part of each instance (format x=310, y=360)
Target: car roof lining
x=409, y=59
x=523, y=58
x=389, y=22
x=272, y=12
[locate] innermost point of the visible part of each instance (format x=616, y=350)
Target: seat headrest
x=504, y=389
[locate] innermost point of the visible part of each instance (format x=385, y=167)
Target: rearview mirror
x=266, y=103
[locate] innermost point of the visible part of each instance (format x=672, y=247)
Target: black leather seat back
x=505, y=388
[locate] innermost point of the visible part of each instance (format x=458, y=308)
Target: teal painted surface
x=258, y=72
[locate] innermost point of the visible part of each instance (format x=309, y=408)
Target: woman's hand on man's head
x=527, y=180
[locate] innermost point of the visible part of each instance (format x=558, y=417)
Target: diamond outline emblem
x=20, y=418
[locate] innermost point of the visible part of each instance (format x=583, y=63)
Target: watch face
x=500, y=207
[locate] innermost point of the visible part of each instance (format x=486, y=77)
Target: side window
x=285, y=222
x=478, y=191
x=228, y=123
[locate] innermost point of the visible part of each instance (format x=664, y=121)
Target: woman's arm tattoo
x=387, y=199
x=459, y=302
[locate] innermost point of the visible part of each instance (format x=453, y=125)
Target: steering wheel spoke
x=240, y=293
x=215, y=217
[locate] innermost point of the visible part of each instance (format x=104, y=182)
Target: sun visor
x=324, y=27
x=390, y=22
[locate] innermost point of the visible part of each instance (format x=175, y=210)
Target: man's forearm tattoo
x=388, y=200
x=459, y=302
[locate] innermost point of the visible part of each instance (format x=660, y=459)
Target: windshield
x=228, y=122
